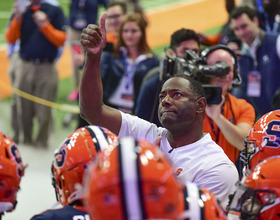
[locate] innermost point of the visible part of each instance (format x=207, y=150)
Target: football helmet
x=72, y=158
x=133, y=181
x=200, y=204
x=11, y=171
x=258, y=195
x=263, y=140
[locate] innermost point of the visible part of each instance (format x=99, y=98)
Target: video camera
x=197, y=68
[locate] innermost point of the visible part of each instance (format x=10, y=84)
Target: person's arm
x=234, y=133
x=55, y=36
x=92, y=108
x=13, y=31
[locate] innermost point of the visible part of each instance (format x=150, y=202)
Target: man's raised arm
x=93, y=39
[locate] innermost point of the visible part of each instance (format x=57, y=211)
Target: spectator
x=267, y=13
x=71, y=160
x=123, y=70
x=147, y=102
x=258, y=195
x=229, y=121
x=182, y=106
x=13, y=54
x=41, y=31
x=82, y=13
x=11, y=172
x=259, y=62
x=139, y=177
x=263, y=141
x=115, y=14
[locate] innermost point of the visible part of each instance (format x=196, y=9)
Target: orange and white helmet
x=72, y=158
x=258, y=195
x=11, y=171
x=263, y=140
x=132, y=181
x=200, y=204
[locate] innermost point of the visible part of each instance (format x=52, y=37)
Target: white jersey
x=202, y=162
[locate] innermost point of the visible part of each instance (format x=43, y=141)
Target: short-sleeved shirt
x=202, y=162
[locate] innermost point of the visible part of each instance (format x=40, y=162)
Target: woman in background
x=123, y=70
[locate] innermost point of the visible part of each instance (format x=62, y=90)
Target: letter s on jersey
x=178, y=171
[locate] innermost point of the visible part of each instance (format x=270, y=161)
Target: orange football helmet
x=263, y=140
x=73, y=157
x=11, y=171
x=200, y=204
x=258, y=195
x=133, y=181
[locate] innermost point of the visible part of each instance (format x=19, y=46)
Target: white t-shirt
x=203, y=162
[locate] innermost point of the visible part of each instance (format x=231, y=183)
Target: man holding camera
x=229, y=121
x=195, y=156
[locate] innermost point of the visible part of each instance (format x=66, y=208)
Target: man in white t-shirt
x=182, y=105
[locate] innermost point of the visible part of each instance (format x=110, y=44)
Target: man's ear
x=201, y=104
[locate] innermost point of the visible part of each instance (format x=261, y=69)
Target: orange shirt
x=237, y=111
x=111, y=38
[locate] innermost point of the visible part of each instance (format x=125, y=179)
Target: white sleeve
x=278, y=46
x=138, y=128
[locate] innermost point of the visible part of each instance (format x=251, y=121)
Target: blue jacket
x=33, y=44
x=112, y=70
x=268, y=64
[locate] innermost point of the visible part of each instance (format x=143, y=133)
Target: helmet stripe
x=194, y=208
x=202, y=214
x=98, y=137
x=123, y=202
x=130, y=174
x=186, y=203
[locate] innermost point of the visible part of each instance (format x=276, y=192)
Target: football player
x=11, y=172
x=263, y=141
x=71, y=160
x=133, y=181
x=258, y=195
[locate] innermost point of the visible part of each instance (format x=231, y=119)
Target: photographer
x=229, y=121
x=147, y=102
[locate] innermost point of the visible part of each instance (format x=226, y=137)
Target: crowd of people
x=191, y=135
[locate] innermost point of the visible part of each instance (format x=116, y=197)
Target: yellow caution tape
x=63, y=107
